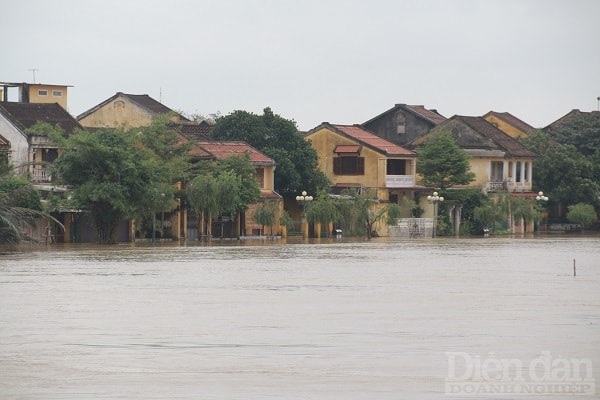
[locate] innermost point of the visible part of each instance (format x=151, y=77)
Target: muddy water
x=297, y=320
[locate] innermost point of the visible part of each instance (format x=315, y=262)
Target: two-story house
x=352, y=157
x=131, y=110
x=33, y=153
x=498, y=161
x=404, y=123
x=264, y=175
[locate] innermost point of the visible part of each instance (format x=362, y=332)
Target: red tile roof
x=375, y=142
x=346, y=148
x=221, y=150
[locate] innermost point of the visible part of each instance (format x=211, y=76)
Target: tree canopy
x=117, y=174
x=442, y=163
x=562, y=171
x=279, y=139
x=580, y=129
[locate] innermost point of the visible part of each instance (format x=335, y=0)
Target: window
x=526, y=172
x=57, y=93
x=518, y=172
x=497, y=172
x=260, y=177
x=349, y=165
x=42, y=93
x=396, y=167
x=400, y=123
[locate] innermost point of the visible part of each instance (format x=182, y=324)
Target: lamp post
x=541, y=199
x=434, y=199
x=304, y=199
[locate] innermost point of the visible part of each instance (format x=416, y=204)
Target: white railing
x=495, y=186
x=41, y=175
x=399, y=181
x=518, y=186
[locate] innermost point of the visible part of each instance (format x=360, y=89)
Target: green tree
x=442, y=163
x=279, y=139
x=114, y=177
x=524, y=209
x=324, y=209
x=264, y=215
x=562, y=172
x=583, y=214
x=19, y=206
x=580, y=129
x=226, y=189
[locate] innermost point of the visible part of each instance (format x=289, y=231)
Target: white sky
x=311, y=61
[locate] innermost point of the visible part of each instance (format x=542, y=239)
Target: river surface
x=337, y=319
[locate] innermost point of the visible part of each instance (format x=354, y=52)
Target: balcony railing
x=41, y=175
x=510, y=186
x=399, y=181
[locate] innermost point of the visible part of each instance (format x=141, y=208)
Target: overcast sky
x=311, y=61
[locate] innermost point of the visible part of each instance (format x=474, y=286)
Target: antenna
x=33, y=70
x=160, y=95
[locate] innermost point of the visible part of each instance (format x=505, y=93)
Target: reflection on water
x=333, y=319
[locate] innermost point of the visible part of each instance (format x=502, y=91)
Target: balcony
x=510, y=186
x=41, y=175
x=399, y=181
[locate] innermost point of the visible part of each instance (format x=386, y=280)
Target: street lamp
x=541, y=199
x=434, y=199
x=304, y=199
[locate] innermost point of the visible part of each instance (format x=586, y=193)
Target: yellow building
x=509, y=124
x=36, y=93
x=264, y=175
x=352, y=157
x=127, y=111
x=498, y=161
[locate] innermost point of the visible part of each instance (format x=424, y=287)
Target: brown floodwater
x=327, y=319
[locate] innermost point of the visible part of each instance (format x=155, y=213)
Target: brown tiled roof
x=369, y=139
x=25, y=115
x=427, y=114
x=512, y=120
x=4, y=144
x=147, y=102
x=430, y=115
x=484, y=128
x=142, y=100
x=222, y=150
x=195, y=131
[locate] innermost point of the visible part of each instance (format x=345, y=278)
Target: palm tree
x=19, y=206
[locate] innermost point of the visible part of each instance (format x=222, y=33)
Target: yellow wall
x=34, y=96
x=324, y=142
x=509, y=129
x=119, y=113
